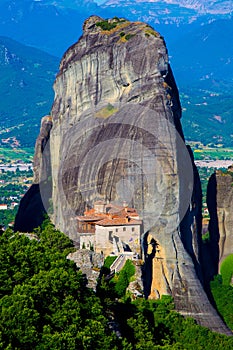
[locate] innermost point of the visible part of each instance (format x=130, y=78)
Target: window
x=124, y=228
x=133, y=229
x=110, y=237
x=116, y=229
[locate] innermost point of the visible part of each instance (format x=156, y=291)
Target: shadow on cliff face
x=205, y=256
x=211, y=248
x=35, y=203
x=31, y=212
x=176, y=105
x=191, y=225
x=147, y=269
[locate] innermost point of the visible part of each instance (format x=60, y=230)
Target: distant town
x=15, y=179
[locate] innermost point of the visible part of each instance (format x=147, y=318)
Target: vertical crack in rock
x=177, y=263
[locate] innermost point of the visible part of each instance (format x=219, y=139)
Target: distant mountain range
x=202, y=61
x=204, y=6
x=48, y=25
x=26, y=80
x=198, y=36
x=54, y=25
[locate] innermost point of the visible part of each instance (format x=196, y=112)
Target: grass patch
x=209, y=153
x=109, y=261
x=7, y=155
x=206, y=237
x=223, y=296
x=106, y=112
x=129, y=36
x=226, y=270
x=151, y=32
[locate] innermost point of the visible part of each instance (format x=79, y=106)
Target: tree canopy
x=45, y=304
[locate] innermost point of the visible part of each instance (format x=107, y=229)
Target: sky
x=99, y=2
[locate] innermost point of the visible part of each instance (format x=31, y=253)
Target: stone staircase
x=118, y=263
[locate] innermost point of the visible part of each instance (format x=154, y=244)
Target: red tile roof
x=90, y=218
x=118, y=222
x=115, y=215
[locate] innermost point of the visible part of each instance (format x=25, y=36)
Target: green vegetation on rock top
x=110, y=24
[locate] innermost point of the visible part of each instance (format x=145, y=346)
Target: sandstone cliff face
x=115, y=94
x=116, y=136
x=220, y=202
x=42, y=141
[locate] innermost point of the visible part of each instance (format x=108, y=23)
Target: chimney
x=100, y=207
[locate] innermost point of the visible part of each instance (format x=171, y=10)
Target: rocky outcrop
x=90, y=263
x=40, y=148
x=220, y=202
x=116, y=136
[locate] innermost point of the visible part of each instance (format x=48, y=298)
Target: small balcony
x=84, y=227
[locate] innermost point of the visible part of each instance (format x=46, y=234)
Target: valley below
x=208, y=159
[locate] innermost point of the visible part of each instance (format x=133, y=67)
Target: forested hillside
x=26, y=88
x=45, y=304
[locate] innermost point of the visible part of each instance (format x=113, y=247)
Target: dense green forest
x=223, y=296
x=45, y=304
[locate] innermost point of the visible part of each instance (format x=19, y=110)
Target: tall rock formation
x=220, y=203
x=116, y=136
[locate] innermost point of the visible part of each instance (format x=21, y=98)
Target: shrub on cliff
x=124, y=277
x=226, y=270
x=105, y=25
x=109, y=25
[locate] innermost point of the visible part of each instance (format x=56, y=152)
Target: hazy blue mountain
x=205, y=53
x=54, y=25
x=26, y=80
x=203, y=65
x=199, y=6
x=48, y=25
